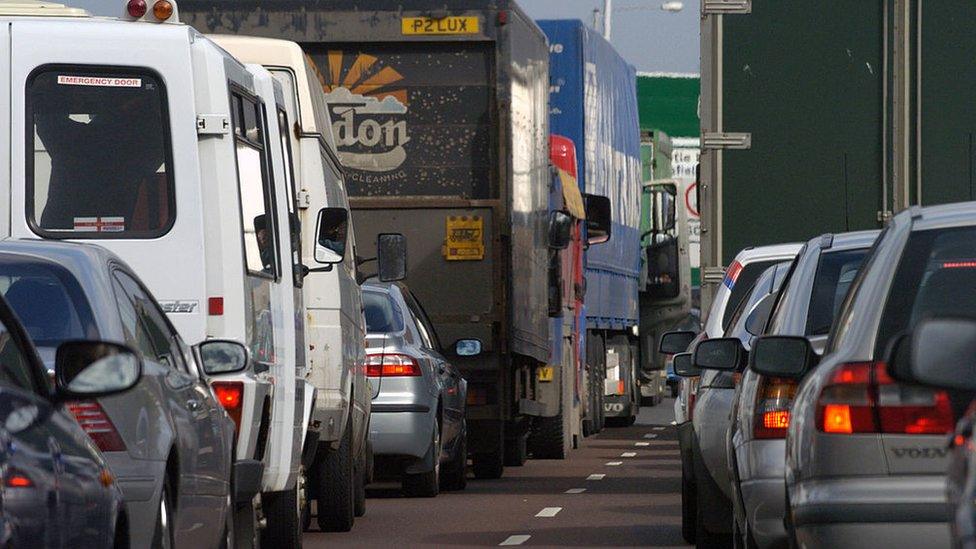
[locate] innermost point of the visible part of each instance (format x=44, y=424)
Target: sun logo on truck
x=368, y=104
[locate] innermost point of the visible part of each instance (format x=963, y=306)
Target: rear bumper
x=764, y=502
x=405, y=430
x=329, y=414
x=906, y=511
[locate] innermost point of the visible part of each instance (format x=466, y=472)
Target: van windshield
x=99, y=161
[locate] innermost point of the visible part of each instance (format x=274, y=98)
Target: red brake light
x=862, y=398
x=391, y=365
x=230, y=395
x=215, y=306
x=17, y=479
x=93, y=419
x=773, y=401
x=136, y=8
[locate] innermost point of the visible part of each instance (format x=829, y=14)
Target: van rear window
x=98, y=165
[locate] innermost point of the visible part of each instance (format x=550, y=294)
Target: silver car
x=417, y=424
x=866, y=455
x=807, y=303
x=167, y=441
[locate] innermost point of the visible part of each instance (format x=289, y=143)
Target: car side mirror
x=223, y=356
x=598, y=219
x=783, y=356
x=92, y=369
x=676, y=342
x=940, y=352
x=331, y=231
x=391, y=257
x=723, y=353
x=683, y=366
x=467, y=347
x=560, y=230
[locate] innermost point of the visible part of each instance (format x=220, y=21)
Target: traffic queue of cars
x=839, y=413
x=186, y=357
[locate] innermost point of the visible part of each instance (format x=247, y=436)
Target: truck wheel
x=284, y=515
x=601, y=418
x=454, y=474
x=426, y=485
x=488, y=466
x=360, y=503
x=336, y=486
x=547, y=439
x=516, y=451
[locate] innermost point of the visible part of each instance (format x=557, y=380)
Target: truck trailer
x=441, y=123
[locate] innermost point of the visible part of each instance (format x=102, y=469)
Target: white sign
x=99, y=81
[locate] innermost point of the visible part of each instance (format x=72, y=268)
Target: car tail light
x=215, y=306
x=93, y=419
x=15, y=478
x=772, y=411
x=230, y=395
x=391, y=365
x=862, y=398
x=136, y=8
x=162, y=10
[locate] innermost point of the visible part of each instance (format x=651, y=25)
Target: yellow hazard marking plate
x=545, y=373
x=445, y=25
x=465, y=238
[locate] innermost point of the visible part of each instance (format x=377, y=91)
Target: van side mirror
x=391, y=257
x=331, y=231
x=723, y=353
x=91, y=369
x=663, y=210
x=683, y=366
x=467, y=347
x=598, y=219
x=940, y=352
x=223, y=356
x=560, y=230
x=783, y=356
x=676, y=342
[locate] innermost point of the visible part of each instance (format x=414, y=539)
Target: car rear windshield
x=835, y=273
x=382, y=313
x=935, y=277
x=741, y=286
x=98, y=165
x=47, y=299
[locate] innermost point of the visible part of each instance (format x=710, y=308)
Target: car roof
x=764, y=253
x=844, y=241
x=946, y=215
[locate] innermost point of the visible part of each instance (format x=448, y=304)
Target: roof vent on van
x=38, y=8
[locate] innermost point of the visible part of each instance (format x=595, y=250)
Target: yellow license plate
x=445, y=25
x=546, y=373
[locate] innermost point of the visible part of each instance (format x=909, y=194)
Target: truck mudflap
x=247, y=479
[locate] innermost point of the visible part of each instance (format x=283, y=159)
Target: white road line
x=516, y=540
x=549, y=512
x=628, y=454
x=650, y=435
x=642, y=444
x=614, y=463
x=596, y=476
x=575, y=490
x=658, y=428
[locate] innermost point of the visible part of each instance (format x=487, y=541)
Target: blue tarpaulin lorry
x=633, y=283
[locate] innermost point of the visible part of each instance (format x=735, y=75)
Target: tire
x=283, y=513
x=689, y=508
x=163, y=536
x=360, y=502
x=705, y=539
x=488, y=466
x=120, y=537
x=601, y=418
x=336, y=486
x=228, y=541
x=454, y=474
x=548, y=440
x=516, y=451
x=427, y=484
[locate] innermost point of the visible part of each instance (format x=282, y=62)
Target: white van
x=336, y=330
x=144, y=137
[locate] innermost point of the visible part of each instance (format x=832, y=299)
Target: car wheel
x=454, y=475
x=426, y=485
x=689, y=507
x=360, y=503
x=704, y=539
x=336, y=486
x=283, y=512
x=120, y=535
x=228, y=540
x=163, y=537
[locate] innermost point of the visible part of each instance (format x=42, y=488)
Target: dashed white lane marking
x=642, y=444
x=650, y=435
x=549, y=512
x=596, y=476
x=628, y=454
x=658, y=428
x=516, y=540
x=575, y=490
x=614, y=463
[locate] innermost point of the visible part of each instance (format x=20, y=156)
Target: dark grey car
x=168, y=441
x=417, y=424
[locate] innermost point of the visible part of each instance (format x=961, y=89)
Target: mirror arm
x=364, y=260
x=324, y=269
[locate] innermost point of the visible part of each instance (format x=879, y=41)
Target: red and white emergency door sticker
x=100, y=224
x=99, y=81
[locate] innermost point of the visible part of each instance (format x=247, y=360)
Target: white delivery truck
x=143, y=136
x=335, y=328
